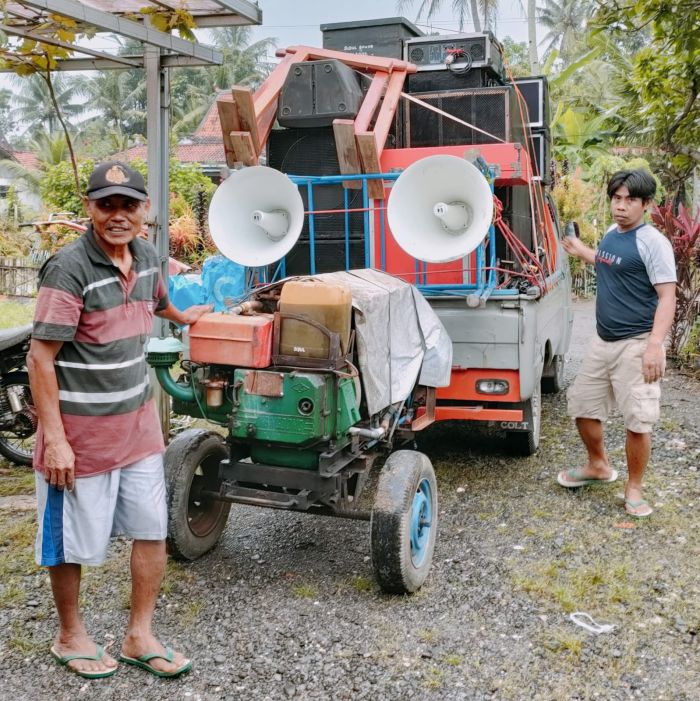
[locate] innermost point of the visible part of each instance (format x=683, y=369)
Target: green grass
x=20, y=480
x=362, y=583
x=304, y=591
x=15, y=313
x=17, y=557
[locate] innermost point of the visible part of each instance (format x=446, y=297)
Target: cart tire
x=527, y=442
x=553, y=380
x=404, y=522
x=192, y=464
x=17, y=442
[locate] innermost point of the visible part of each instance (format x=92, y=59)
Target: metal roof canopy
x=161, y=50
x=24, y=18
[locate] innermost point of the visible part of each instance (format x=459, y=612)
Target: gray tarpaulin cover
x=399, y=337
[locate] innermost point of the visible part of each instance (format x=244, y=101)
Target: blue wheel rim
x=421, y=522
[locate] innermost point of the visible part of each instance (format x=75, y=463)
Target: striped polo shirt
x=104, y=319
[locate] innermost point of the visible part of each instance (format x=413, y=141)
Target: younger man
x=635, y=305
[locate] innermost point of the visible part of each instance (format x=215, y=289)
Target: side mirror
x=571, y=229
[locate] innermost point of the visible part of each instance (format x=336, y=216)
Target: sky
x=297, y=21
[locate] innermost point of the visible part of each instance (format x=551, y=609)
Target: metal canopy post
x=157, y=129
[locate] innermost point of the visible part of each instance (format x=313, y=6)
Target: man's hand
x=59, y=464
x=188, y=316
x=192, y=314
x=575, y=247
x=653, y=362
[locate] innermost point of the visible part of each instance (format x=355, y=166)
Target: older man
x=98, y=457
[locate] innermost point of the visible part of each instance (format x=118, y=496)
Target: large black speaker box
x=535, y=91
x=438, y=81
x=494, y=110
x=317, y=92
x=540, y=154
x=518, y=215
x=311, y=151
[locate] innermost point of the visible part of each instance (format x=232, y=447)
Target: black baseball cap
x=116, y=178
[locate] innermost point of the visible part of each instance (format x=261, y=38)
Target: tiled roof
x=205, y=146
x=29, y=160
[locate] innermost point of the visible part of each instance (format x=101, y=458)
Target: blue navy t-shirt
x=628, y=265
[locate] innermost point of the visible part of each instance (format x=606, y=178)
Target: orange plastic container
x=229, y=339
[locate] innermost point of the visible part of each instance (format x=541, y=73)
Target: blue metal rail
x=482, y=281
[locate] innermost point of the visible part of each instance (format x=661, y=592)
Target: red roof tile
x=29, y=160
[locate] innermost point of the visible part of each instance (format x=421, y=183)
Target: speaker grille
x=490, y=109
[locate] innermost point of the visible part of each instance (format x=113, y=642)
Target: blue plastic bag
x=186, y=290
x=223, y=282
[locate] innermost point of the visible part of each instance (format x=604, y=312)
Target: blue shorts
x=76, y=526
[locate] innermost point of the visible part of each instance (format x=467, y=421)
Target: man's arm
x=575, y=247
x=654, y=358
x=59, y=461
x=188, y=316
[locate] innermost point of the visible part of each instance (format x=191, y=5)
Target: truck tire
x=195, y=522
x=404, y=522
x=526, y=442
x=553, y=375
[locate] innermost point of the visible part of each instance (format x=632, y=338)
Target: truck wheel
x=195, y=522
x=553, y=375
x=404, y=522
x=527, y=442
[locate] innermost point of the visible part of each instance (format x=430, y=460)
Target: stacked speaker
x=535, y=92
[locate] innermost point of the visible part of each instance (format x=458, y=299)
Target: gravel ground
x=286, y=606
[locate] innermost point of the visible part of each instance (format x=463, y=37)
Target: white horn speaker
x=440, y=209
x=256, y=216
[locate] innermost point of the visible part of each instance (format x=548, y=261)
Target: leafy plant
x=683, y=231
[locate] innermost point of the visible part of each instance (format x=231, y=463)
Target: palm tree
x=566, y=21
x=194, y=89
x=489, y=12
x=119, y=98
x=488, y=9
x=49, y=149
x=34, y=107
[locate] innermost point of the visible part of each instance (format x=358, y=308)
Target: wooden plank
x=266, y=120
x=243, y=97
x=368, y=63
x=243, y=148
x=346, y=147
x=228, y=116
x=387, y=109
x=371, y=101
x=369, y=155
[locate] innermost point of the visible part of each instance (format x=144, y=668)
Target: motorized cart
x=318, y=382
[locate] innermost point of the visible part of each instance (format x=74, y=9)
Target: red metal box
x=229, y=339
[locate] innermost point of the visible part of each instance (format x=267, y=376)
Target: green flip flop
x=99, y=654
x=634, y=505
x=168, y=656
x=574, y=477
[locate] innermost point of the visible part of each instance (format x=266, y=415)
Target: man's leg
x=591, y=432
x=148, y=558
x=72, y=638
x=638, y=449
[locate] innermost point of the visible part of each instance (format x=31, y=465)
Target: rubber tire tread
x=554, y=383
x=14, y=378
x=182, y=457
x=390, y=522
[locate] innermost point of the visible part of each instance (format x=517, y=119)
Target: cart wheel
x=553, y=376
x=195, y=522
x=527, y=442
x=404, y=522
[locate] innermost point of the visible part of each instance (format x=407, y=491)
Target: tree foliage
x=661, y=87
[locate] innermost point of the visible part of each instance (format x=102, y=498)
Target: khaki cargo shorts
x=611, y=373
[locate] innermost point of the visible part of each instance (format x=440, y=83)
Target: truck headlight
x=492, y=386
